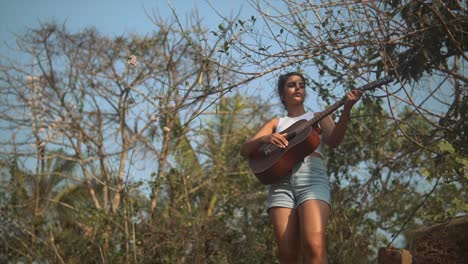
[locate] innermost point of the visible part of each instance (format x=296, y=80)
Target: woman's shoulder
x=272, y=123
x=274, y=120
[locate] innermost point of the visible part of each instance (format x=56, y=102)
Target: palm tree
x=210, y=196
x=32, y=202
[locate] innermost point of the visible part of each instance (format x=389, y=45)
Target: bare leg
x=286, y=229
x=313, y=220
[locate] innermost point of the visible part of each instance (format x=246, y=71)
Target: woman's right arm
x=264, y=135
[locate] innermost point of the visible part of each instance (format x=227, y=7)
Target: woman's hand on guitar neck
x=277, y=139
x=351, y=98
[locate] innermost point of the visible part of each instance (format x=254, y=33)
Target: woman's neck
x=294, y=111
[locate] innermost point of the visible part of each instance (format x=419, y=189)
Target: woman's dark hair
x=282, y=81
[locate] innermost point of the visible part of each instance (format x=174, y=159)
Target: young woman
x=300, y=205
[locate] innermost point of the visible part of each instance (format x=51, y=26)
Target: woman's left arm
x=333, y=134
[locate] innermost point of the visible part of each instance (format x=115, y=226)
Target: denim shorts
x=308, y=180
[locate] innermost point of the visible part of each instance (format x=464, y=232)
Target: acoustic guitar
x=271, y=163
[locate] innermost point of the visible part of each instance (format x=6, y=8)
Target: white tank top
x=285, y=122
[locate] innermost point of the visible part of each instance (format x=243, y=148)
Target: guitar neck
x=327, y=111
x=333, y=107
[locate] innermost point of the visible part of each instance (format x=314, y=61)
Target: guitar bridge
x=267, y=151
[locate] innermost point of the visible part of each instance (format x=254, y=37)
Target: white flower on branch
x=31, y=78
x=132, y=61
x=166, y=129
x=154, y=118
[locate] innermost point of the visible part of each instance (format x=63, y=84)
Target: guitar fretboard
x=339, y=103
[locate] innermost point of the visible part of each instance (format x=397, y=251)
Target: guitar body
x=271, y=163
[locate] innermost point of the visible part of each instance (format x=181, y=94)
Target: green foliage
x=437, y=33
x=378, y=184
x=212, y=208
x=456, y=122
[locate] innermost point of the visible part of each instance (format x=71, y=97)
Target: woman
x=300, y=205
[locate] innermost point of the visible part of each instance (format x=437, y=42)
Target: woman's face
x=294, y=91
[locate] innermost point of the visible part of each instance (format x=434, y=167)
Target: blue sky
x=113, y=17
x=110, y=17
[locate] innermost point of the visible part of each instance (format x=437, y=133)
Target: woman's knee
x=289, y=255
x=315, y=246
